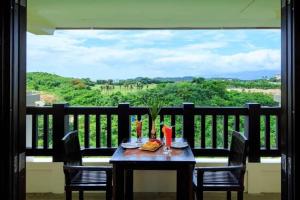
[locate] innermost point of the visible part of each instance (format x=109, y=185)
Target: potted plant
x=154, y=111
x=154, y=104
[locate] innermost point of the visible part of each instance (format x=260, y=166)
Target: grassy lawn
x=110, y=89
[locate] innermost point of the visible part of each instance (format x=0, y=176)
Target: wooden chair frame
x=235, y=170
x=77, y=177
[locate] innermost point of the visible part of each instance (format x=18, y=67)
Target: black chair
x=83, y=178
x=228, y=178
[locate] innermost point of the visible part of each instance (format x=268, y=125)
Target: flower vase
x=153, y=130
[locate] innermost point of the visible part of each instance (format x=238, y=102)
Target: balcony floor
x=157, y=196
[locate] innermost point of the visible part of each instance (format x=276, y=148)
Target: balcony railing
x=207, y=129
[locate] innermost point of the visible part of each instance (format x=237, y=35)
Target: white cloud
x=121, y=37
x=67, y=53
x=265, y=59
x=268, y=59
x=205, y=46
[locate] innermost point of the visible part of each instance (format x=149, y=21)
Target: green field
x=132, y=88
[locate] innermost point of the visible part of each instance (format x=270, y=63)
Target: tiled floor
x=153, y=196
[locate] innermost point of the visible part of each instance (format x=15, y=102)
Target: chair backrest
x=72, y=153
x=238, y=154
x=238, y=149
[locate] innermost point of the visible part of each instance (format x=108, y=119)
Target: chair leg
x=240, y=195
x=109, y=193
x=199, y=194
x=68, y=195
x=228, y=195
x=109, y=186
x=80, y=195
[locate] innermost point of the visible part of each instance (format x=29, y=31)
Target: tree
x=110, y=81
x=78, y=84
x=101, y=82
x=198, y=80
x=88, y=81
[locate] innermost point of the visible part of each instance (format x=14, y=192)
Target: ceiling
x=45, y=16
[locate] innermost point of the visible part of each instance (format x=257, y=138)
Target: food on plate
x=155, y=140
x=151, y=145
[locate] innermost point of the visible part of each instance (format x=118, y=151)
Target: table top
x=136, y=156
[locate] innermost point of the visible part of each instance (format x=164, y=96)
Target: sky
x=122, y=54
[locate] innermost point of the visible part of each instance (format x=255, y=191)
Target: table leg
x=184, y=183
x=118, y=182
x=129, y=184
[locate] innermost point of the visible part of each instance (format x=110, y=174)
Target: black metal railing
x=207, y=129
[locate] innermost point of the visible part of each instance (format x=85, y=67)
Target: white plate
x=129, y=145
x=179, y=144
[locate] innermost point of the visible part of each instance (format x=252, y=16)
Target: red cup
x=168, y=136
x=139, y=129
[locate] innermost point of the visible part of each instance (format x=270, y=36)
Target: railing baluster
x=123, y=122
x=214, y=131
x=237, y=123
x=199, y=139
x=86, y=131
x=98, y=131
x=267, y=132
x=173, y=124
x=34, y=131
x=278, y=132
x=189, y=123
x=203, y=143
x=108, y=128
x=75, y=122
x=46, y=131
x=161, y=119
x=139, y=117
x=60, y=127
x=225, y=128
x=149, y=125
x=252, y=131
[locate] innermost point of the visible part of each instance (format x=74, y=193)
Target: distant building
x=32, y=99
x=277, y=77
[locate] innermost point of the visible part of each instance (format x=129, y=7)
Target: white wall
x=43, y=176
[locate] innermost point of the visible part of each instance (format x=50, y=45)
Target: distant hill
x=45, y=75
x=84, y=92
x=250, y=75
x=46, y=81
x=174, y=79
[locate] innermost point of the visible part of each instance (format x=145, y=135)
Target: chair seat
x=89, y=177
x=218, y=180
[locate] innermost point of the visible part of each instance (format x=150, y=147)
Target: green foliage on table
x=153, y=101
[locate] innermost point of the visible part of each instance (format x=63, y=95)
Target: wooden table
x=126, y=160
